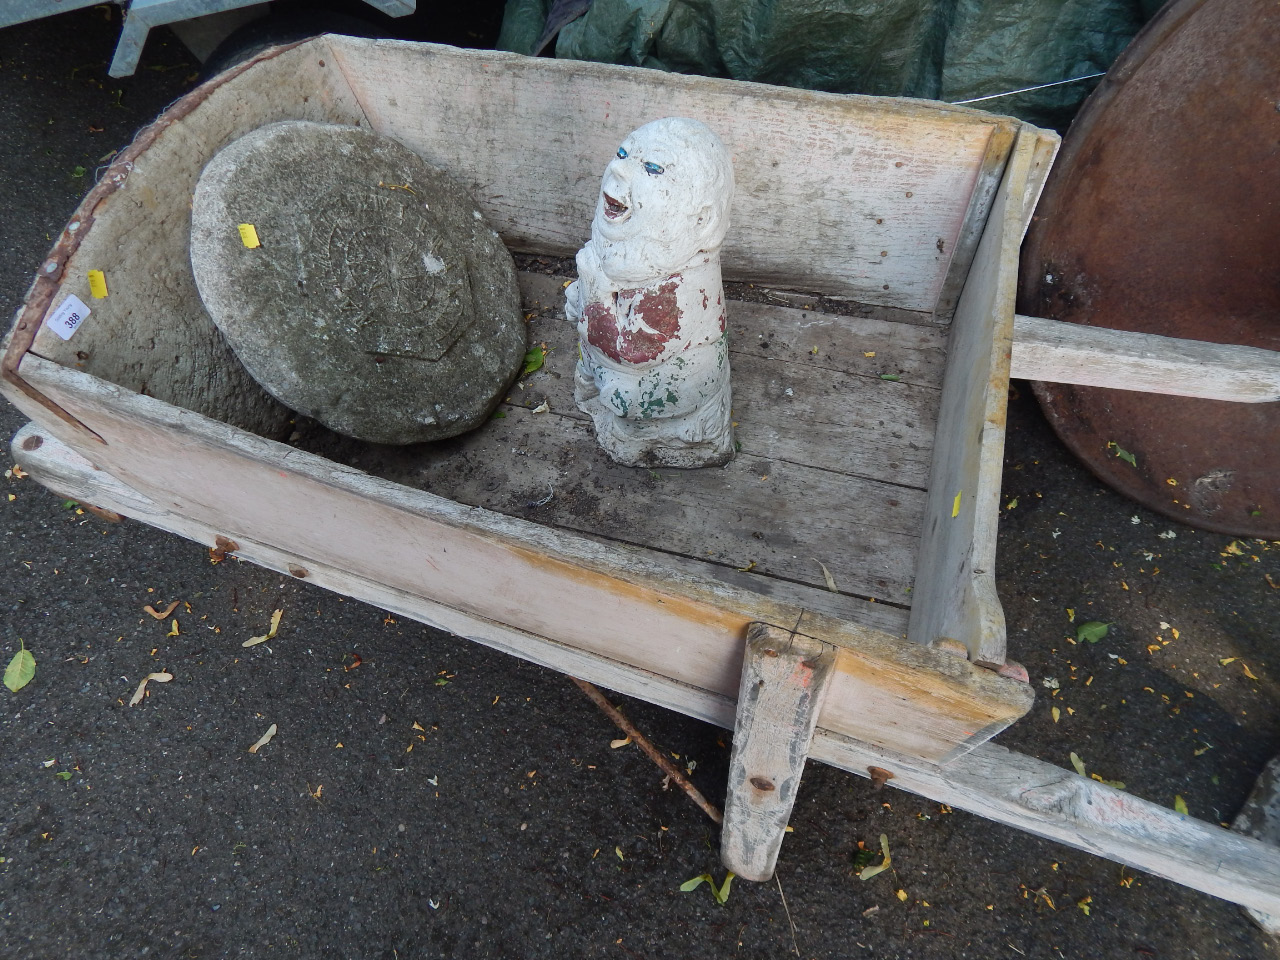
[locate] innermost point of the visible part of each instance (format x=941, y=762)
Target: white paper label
x=67, y=318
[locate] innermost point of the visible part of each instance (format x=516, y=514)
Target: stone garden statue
x=653, y=371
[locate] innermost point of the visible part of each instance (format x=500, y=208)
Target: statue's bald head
x=668, y=189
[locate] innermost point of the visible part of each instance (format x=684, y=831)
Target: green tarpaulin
x=948, y=50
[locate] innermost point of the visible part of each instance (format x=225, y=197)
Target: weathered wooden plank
x=854, y=196
x=1051, y=802
x=785, y=679
x=990, y=781
x=990, y=175
x=523, y=576
x=1095, y=356
x=780, y=516
x=955, y=594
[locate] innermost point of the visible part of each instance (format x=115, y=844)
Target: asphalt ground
x=441, y=800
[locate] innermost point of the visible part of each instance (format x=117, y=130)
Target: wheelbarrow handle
x=1061, y=352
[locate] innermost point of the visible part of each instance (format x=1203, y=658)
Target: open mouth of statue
x=615, y=210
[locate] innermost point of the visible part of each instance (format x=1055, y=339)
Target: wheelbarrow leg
x=784, y=681
x=1260, y=819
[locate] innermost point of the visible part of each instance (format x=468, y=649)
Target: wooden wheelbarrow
x=828, y=594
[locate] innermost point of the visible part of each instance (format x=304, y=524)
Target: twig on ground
x=788, y=910
x=669, y=768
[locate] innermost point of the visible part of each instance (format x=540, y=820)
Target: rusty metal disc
x=1162, y=215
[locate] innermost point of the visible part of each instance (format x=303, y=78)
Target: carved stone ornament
x=653, y=371
x=375, y=297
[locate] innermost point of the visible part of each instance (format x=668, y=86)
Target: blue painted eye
x=654, y=168
x=622, y=154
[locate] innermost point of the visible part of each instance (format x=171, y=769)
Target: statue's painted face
x=668, y=186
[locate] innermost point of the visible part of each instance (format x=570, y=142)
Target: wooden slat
x=785, y=679
x=1097, y=357
x=1051, y=802
x=990, y=175
x=781, y=516
x=855, y=196
x=955, y=593
x=990, y=781
x=526, y=577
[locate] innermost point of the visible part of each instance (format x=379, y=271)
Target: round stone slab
x=378, y=300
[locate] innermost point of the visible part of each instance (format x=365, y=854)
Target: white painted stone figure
x=653, y=371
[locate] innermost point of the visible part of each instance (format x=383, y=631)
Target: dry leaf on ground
x=270, y=634
x=161, y=614
x=142, y=687
x=266, y=738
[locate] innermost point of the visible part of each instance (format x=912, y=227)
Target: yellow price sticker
x=249, y=236
x=97, y=284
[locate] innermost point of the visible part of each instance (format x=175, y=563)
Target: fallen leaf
x=1180, y=805
x=1247, y=672
x=868, y=353
x=1012, y=504
x=1078, y=764
x=721, y=893
x=618, y=851
x=1083, y=904
x=1056, y=714
x=1124, y=455
x=356, y=660
x=1091, y=632
x=173, y=631
x=748, y=568
x=266, y=738
x=21, y=669
x=418, y=726
x=64, y=774
x=544, y=407
x=142, y=687
x=617, y=744
x=826, y=575
x=270, y=634
x=879, y=777
x=902, y=895
x=533, y=360
x=161, y=614
x=1223, y=663
x=869, y=872
x=890, y=376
